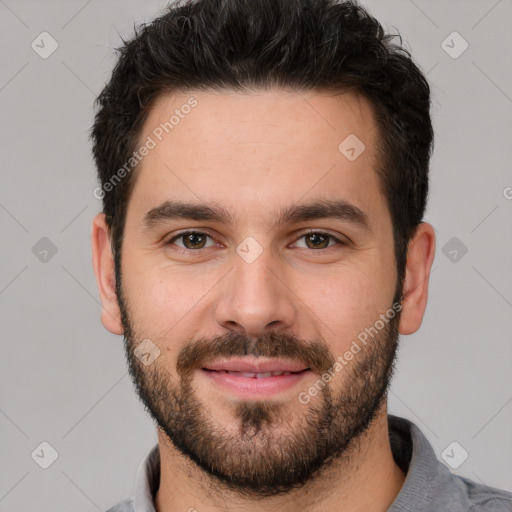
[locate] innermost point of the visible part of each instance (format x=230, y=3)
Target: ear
x=103, y=265
x=420, y=255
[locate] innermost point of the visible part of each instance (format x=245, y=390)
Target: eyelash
x=183, y=250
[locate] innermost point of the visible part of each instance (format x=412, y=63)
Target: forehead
x=253, y=150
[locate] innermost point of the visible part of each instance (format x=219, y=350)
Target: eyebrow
x=323, y=209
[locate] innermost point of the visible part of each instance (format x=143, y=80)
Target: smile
x=257, y=375
x=254, y=378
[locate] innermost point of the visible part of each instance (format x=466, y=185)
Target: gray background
x=63, y=378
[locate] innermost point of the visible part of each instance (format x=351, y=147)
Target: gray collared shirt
x=429, y=485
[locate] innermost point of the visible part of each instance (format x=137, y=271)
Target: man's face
x=256, y=289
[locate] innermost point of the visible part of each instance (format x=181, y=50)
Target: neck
x=365, y=479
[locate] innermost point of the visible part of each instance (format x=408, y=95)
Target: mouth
x=254, y=377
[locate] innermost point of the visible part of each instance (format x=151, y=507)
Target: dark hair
x=258, y=44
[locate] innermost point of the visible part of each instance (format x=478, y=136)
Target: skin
x=253, y=153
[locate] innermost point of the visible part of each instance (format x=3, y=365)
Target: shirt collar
x=415, y=455
x=147, y=481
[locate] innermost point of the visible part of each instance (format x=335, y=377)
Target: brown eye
x=318, y=240
x=194, y=241
x=191, y=240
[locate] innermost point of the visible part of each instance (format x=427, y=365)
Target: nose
x=255, y=298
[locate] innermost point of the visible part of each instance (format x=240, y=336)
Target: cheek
x=157, y=303
x=346, y=304
x=147, y=293
x=164, y=302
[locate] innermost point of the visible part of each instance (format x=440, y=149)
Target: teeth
x=255, y=375
x=263, y=375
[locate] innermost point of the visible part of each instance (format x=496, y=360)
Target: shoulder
x=123, y=506
x=486, y=498
x=430, y=485
x=459, y=493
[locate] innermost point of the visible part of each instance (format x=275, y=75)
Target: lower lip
x=250, y=387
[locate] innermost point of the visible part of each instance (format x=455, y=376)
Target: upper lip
x=255, y=365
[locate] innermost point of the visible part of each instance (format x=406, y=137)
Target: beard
x=269, y=447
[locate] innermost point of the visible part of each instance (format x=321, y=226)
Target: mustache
x=315, y=355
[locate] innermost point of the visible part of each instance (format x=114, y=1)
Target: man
x=264, y=173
